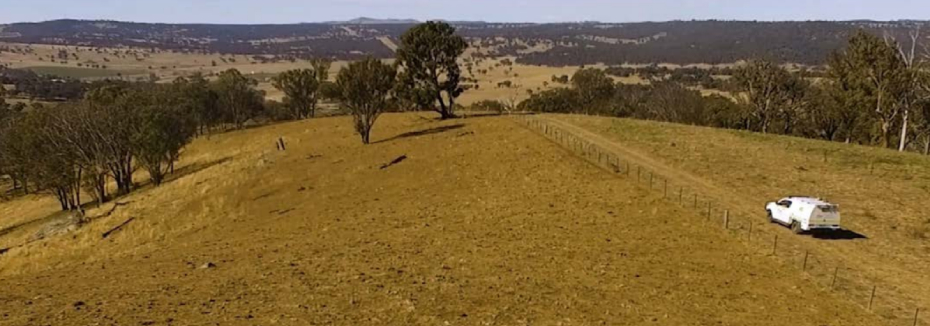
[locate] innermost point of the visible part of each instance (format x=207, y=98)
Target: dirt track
x=485, y=223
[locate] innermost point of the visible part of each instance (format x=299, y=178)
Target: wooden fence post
x=665, y=187
x=281, y=139
x=708, y=209
x=726, y=219
x=651, y=177
x=916, y=313
x=750, y=232
x=695, y=200
x=806, y=254
x=872, y=296
x=775, y=246
x=835, y=272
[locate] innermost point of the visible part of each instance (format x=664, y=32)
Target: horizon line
x=465, y=21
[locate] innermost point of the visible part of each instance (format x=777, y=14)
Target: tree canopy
x=365, y=87
x=430, y=75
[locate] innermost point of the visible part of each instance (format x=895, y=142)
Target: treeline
x=30, y=85
x=118, y=128
x=875, y=91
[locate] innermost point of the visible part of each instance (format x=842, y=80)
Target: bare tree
x=914, y=64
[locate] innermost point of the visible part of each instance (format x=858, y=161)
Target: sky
x=294, y=11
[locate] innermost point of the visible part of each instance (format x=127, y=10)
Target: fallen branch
x=118, y=227
x=395, y=161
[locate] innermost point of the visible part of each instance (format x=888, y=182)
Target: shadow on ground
x=424, y=132
x=839, y=235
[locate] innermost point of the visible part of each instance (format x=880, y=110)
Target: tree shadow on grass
x=424, y=132
x=843, y=234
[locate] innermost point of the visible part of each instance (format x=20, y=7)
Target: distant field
x=140, y=63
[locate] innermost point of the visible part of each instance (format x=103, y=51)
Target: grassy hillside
x=882, y=193
x=485, y=222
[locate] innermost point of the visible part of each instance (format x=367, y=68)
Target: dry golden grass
x=484, y=223
x=882, y=193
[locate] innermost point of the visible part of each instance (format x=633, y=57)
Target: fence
x=828, y=271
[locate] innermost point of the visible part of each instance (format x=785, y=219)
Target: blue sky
x=291, y=11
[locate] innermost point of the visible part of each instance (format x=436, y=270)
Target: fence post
x=708, y=209
x=916, y=313
x=639, y=173
x=695, y=200
x=681, y=193
x=806, y=254
x=726, y=219
x=775, y=246
x=750, y=232
x=627, y=168
x=872, y=296
x=665, y=187
x=281, y=139
x=651, y=177
x=835, y=272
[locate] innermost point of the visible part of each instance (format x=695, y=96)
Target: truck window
x=785, y=203
x=827, y=208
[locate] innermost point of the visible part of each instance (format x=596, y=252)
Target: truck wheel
x=771, y=218
x=796, y=227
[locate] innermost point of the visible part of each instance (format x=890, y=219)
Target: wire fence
x=829, y=271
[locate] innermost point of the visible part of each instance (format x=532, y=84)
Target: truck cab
x=804, y=214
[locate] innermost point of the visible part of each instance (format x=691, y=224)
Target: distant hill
x=373, y=21
x=556, y=44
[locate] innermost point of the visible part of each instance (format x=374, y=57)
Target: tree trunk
x=903, y=143
x=886, y=135
x=927, y=146
x=100, y=186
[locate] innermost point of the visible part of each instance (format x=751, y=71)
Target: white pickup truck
x=803, y=214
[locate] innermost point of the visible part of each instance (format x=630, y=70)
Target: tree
x=108, y=121
x=874, y=78
x=34, y=156
x=199, y=101
x=162, y=130
x=916, y=69
x=796, y=94
x=237, y=97
x=825, y=116
x=365, y=87
x=301, y=88
x=672, y=102
x=594, y=88
x=429, y=70
x=761, y=85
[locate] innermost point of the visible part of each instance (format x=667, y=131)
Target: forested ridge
x=561, y=44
